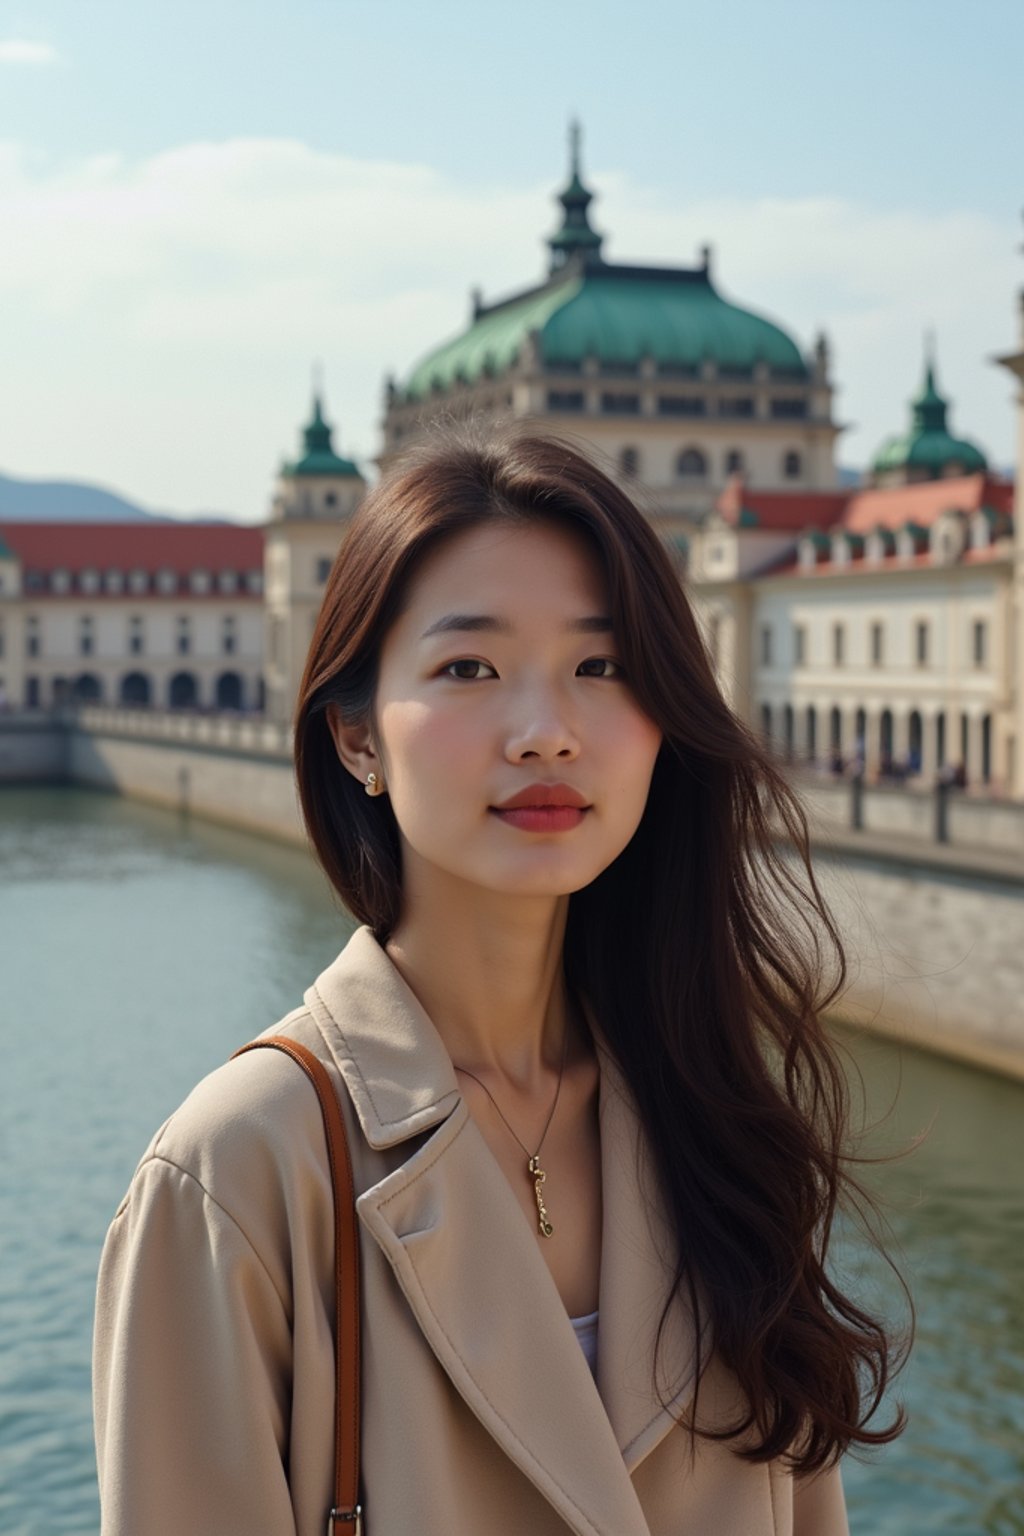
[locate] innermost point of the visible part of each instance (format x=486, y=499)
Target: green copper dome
x=617, y=315
x=928, y=447
x=319, y=457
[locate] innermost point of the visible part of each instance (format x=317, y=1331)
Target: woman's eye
x=466, y=677
x=602, y=661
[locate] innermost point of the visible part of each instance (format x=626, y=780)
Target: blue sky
x=204, y=198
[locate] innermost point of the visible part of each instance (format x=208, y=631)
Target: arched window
x=229, y=691
x=766, y=721
x=885, y=733
x=691, y=464
x=734, y=462
x=135, y=688
x=791, y=465
x=986, y=749
x=629, y=462
x=835, y=729
x=811, y=732
x=183, y=692
x=915, y=740
x=787, y=729
x=87, y=689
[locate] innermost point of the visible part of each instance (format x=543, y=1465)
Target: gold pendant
x=538, y=1176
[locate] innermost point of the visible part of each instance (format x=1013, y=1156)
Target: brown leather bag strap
x=345, y=1517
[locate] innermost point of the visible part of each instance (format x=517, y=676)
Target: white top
x=585, y=1329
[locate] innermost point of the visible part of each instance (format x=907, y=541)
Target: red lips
x=545, y=794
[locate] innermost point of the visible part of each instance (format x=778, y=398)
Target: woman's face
x=502, y=672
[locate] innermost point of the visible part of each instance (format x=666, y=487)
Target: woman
x=597, y=1129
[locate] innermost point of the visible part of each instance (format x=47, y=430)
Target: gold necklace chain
x=534, y=1171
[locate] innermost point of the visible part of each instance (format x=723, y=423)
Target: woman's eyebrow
x=461, y=623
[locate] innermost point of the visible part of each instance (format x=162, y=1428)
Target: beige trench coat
x=213, y=1365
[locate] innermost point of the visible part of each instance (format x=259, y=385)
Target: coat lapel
x=636, y=1275
x=469, y=1265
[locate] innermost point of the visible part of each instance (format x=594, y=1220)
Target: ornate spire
x=575, y=238
x=318, y=455
x=929, y=406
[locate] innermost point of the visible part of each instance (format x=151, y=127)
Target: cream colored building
x=175, y=615
x=673, y=386
x=314, y=498
x=144, y=614
x=874, y=624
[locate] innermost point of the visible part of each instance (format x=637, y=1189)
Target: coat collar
x=471, y=1269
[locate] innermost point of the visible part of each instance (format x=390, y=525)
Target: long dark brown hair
x=707, y=953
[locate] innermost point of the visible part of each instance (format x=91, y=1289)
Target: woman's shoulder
x=250, y=1128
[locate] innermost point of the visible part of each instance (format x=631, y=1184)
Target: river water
x=137, y=950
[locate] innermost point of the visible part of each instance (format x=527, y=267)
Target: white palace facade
x=878, y=626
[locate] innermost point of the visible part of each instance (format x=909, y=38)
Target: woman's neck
x=488, y=971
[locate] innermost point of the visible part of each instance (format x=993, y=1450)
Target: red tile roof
x=781, y=511
x=923, y=503
x=180, y=547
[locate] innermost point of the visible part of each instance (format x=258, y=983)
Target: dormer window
x=840, y=550
x=981, y=532
x=114, y=581
x=228, y=581
x=89, y=580
x=138, y=581
x=909, y=541
x=946, y=539
x=691, y=464
x=200, y=582
x=60, y=580
x=166, y=581
x=254, y=581
x=807, y=554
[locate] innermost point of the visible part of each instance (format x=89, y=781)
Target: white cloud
x=20, y=51
x=167, y=310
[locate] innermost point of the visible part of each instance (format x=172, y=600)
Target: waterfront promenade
x=935, y=929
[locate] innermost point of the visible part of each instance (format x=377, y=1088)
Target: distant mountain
x=68, y=501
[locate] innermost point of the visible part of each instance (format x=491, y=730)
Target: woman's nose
x=542, y=729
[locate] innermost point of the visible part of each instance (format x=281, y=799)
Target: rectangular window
x=979, y=642
x=681, y=405
x=85, y=637
x=323, y=568
x=766, y=645
x=135, y=635
x=876, y=645
x=799, y=645
x=32, y=637
x=184, y=637
x=228, y=637
x=566, y=400
x=615, y=403
x=921, y=643
x=838, y=644
x=789, y=410
x=742, y=407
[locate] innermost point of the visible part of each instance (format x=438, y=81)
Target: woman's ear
x=354, y=747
